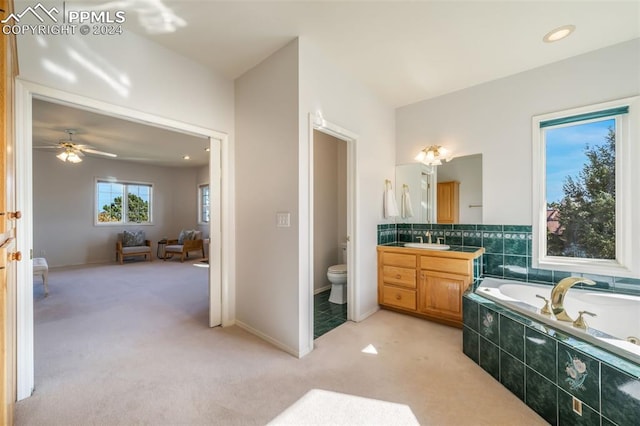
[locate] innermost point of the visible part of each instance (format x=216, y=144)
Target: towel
x=406, y=210
x=390, y=206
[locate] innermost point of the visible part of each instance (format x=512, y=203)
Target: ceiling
x=404, y=51
x=129, y=140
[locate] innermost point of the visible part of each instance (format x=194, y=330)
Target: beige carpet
x=123, y=345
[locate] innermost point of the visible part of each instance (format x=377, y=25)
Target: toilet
x=337, y=275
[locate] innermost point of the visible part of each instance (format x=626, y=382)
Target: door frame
x=220, y=271
x=317, y=122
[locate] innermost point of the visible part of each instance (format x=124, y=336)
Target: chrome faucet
x=428, y=235
x=558, y=293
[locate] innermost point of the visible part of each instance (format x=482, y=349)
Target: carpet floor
x=129, y=345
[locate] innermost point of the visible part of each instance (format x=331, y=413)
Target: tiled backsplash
x=547, y=369
x=508, y=250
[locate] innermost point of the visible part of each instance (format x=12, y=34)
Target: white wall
x=329, y=205
x=64, y=196
x=468, y=171
x=266, y=183
x=346, y=102
x=113, y=69
x=494, y=119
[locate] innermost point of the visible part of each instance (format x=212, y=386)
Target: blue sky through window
x=565, y=154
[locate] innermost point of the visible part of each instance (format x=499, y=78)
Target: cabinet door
x=441, y=294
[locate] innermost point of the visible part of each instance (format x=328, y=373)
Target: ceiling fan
x=72, y=151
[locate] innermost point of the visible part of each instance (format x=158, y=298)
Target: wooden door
x=448, y=208
x=8, y=221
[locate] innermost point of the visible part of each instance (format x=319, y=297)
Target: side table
x=160, y=251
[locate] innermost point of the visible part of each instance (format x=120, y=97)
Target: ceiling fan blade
x=93, y=151
x=48, y=147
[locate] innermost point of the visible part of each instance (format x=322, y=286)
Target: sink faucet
x=419, y=238
x=558, y=292
x=428, y=235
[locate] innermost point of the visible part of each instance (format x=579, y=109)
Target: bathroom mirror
x=420, y=186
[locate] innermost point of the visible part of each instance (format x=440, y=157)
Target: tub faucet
x=558, y=293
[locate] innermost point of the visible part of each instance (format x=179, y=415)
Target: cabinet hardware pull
x=15, y=256
x=398, y=297
x=15, y=215
x=398, y=276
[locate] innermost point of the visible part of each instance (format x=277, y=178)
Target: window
x=122, y=202
x=204, y=203
x=583, y=193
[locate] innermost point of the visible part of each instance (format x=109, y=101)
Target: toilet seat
x=337, y=269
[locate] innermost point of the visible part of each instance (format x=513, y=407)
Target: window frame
x=125, y=198
x=200, y=203
x=627, y=197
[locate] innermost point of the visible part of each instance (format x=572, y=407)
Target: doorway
x=318, y=124
x=218, y=271
x=329, y=232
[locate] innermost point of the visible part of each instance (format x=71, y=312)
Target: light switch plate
x=283, y=219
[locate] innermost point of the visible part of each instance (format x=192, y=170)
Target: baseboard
x=367, y=314
x=267, y=338
x=321, y=289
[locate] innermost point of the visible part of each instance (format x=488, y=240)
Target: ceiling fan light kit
x=72, y=152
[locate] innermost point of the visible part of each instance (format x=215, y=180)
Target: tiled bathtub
x=550, y=371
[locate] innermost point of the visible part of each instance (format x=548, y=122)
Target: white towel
x=390, y=206
x=406, y=210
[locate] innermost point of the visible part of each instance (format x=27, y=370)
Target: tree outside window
x=112, y=209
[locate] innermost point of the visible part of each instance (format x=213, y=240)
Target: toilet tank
x=343, y=248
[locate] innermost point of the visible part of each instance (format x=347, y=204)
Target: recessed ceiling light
x=558, y=33
x=186, y=157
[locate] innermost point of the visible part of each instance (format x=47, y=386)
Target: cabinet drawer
x=454, y=266
x=399, y=259
x=399, y=297
x=404, y=277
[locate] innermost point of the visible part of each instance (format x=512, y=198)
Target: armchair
x=188, y=241
x=132, y=243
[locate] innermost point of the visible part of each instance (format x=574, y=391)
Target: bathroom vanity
x=426, y=283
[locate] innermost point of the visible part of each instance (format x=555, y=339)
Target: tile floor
x=326, y=315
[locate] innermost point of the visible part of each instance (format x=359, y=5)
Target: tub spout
x=558, y=293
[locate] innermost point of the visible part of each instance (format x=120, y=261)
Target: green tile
x=471, y=344
x=620, y=396
x=512, y=337
x=453, y=238
x=489, y=325
x=515, y=243
x=607, y=422
x=579, y=375
x=442, y=226
x=542, y=396
x=493, y=265
x=495, y=228
x=470, y=313
x=517, y=228
x=472, y=238
x=490, y=358
x=493, y=242
x=567, y=416
x=465, y=227
x=515, y=267
x=558, y=275
x=540, y=353
x=512, y=374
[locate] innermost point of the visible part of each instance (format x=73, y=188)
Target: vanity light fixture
x=558, y=33
x=433, y=155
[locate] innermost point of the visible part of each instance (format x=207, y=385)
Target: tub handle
x=580, y=322
x=545, y=309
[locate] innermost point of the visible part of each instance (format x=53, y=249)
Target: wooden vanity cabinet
x=397, y=276
x=425, y=283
